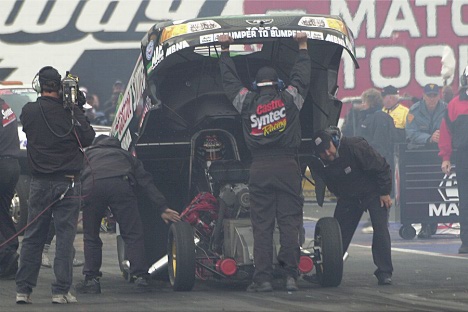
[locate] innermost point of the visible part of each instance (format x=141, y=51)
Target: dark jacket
x=107, y=159
x=270, y=117
x=358, y=172
x=53, y=148
x=9, y=141
x=378, y=129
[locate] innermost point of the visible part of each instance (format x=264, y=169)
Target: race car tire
x=19, y=212
x=328, y=237
x=407, y=232
x=181, y=256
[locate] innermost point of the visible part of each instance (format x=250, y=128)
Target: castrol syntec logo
x=268, y=118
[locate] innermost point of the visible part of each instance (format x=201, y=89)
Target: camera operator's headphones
x=335, y=134
x=36, y=83
x=278, y=83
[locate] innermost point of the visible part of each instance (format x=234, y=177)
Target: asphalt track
x=429, y=276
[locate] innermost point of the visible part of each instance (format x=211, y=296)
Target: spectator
x=275, y=181
x=378, y=129
x=422, y=129
x=396, y=110
x=109, y=107
x=55, y=137
x=453, y=135
x=111, y=177
x=10, y=170
x=353, y=120
x=361, y=180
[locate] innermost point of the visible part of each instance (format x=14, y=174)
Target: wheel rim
x=15, y=209
x=174, y=258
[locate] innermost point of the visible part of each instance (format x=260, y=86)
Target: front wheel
x=329, y=256
x=181, y=256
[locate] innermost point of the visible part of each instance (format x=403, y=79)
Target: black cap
x=431, y=88
x=49, y=73
x=266, y=74
x=388, y=90
x=321, y=141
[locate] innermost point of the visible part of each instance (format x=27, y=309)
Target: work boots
x=90, y=285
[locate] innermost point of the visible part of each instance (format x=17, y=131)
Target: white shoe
x=23, y=298
x=367, y=230
x=64, y=298
x=46, y=261
x=77, y=263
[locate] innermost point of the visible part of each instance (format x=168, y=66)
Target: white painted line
x=418, y=252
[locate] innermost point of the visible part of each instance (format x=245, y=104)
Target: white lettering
x=259, y=122
x=395, y=24
x=443, y=210
x=431, y=14
x=420, y=59
x=400, y=53
x=365, y=9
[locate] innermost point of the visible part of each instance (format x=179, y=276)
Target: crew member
x=361, y=180
x=55, y=133
x=10, y=170
x=396, y=110
x=272, y=132
x=453, y=135
x=110, y=178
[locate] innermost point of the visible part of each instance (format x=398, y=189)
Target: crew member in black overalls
x=110, y=178
x=361, y=180
x=9, y=174
x=272, y=132
x=454, y=135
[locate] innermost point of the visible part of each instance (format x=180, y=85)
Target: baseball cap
x=431, y=88
x=321, y=141
x=49, y=73
x=266, y=74
x=388, y=90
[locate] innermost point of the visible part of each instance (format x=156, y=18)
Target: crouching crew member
x=272, y=132
x=110, y=178
x=361, y=180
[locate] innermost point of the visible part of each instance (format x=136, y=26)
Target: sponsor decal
x=260, y=22
x=448, y=190
x=335, y=39
x=8, y=116
x=269, y=118
x=149, y=50
x=188, y=28
x=307, y=21
x=131, y=98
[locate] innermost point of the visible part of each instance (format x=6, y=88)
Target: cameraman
x=55, y=134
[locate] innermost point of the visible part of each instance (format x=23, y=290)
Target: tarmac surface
x=429, y=276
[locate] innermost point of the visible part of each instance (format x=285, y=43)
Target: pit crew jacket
x=106, y=159
x=453, y=134
x=9, y=141
x=271, y=117
x=421, y=124
x=53, y=147
x=358, y=172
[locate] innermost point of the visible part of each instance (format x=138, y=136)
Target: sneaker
x=463, y=249
x=367, y=229
x=77, y=263
x=260, y=287
x=142, y=283
x=291, y=284
x=46, y=261
x=88, y=286
x=384, y=279
x=23, y=298
x=64, y=298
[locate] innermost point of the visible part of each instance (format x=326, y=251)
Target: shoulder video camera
x=70, y=91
